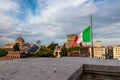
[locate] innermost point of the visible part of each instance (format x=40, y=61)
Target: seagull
x=30, y=51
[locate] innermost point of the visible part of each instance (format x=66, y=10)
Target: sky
x=52, y=20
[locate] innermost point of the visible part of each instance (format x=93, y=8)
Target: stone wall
x=99, y=76
x=100, y=72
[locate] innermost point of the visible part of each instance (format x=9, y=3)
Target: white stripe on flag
x=80, y=38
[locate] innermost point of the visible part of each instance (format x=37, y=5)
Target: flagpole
x=92, y=49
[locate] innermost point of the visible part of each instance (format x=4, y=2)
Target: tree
x=52, y=46
x=16, y=47
x=3, y=52
x=50, y=53
x=46, y=51
x=43, y=48
x=64, y=51
x=40, y=54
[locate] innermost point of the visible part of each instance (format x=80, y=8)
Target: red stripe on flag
x=75, y=41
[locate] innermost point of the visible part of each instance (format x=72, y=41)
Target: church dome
x=20, y=40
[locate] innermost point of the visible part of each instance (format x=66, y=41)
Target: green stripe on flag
x=86, y=36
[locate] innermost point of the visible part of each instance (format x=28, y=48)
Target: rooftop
x=66, y=68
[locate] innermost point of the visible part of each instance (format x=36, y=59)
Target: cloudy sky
x=52, y=20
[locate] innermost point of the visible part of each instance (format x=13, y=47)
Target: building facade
x=20, y=41
x=76, y=53
x=70, y=40
x=113, y=52
x=98, y=44
x=99, y=50
x=109, y=52
x=11, y=55
x=116, y=52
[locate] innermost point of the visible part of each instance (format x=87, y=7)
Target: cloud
x=52, y=20
x=108, y=41
x=7, y=39
x=7, y=21
x=8, y=5
x=109, y=29
x=8, y=25
x=57, y=10
x=55, y=19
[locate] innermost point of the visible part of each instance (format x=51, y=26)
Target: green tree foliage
x=16, y=47
x=64, y=51
x=3, y=52
x=77, y=48
x=40, y=54
x=48, y=53
x=52, y=46
x=43, y=48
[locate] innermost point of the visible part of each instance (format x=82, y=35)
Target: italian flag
x=85, y=36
